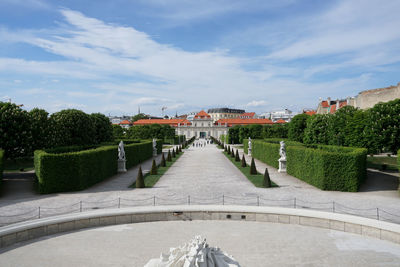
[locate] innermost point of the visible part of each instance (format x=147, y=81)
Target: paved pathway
x=205, y=174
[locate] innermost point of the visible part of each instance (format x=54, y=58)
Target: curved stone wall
x=48, y=226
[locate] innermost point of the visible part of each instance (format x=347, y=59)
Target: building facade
x=224, y=113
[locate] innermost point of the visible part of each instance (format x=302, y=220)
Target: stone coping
x=24, y=231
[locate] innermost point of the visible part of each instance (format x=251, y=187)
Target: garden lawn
x=151, y=179
x=257, y=179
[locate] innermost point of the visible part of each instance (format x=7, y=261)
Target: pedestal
x=282, y=165
x=155, y=152
x=249, y=152
x=121, y=165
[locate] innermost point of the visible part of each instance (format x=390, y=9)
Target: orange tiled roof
x=125, y=122
x=325, y=104
x=280, y=121
x=248, y=114
x=333, y=109
x=171, y=122
x=232, y=122
x=310, y=112
x=343, y=104
x=202, y=114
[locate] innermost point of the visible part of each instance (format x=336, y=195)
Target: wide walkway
x=207, y=176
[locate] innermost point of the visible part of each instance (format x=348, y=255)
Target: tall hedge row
x=74, y=170
x=60, y=170
x=1, y=165
x=328, y=167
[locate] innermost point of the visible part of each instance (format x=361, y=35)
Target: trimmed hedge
x=328, y=167
x=60, y=170
x=74, y=170
x=175, y=140
x=1, y=165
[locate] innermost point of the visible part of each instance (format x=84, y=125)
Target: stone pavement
x=206, y=174
x=250, y=243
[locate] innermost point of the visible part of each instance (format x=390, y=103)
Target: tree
x=15, y=131
x=40, y=129
x=140, y=179
x=72, y=127
x=163, y=163
x=315, y=133
x=243, y=163
x=103, y=128
x=118, y=131
x=253, y=169
x=297, y=126
x=267, y=180
x=140, y=116
x=153, y=168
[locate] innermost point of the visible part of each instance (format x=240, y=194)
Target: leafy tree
x=385, y=124
x=140, y=116
x=359, y=132
x=103, y=128
x=40, y=129
x=315, y=133
x=297, y=126
x=72, y=127
x=15, y=131
x=275, y=131
x=117, y=131
x=233, y=134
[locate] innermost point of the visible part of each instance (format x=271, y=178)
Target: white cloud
x=256, y=103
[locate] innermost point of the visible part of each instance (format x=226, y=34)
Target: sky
x=115, y=56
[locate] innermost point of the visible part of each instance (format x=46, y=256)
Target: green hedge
x=328, y=167
x=175, y=140
x=267, y=150
x=74, y=170
x=60, y=170
x=1, y=165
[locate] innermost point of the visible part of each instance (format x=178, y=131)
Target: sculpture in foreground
x=196, y=253
x=121, y=157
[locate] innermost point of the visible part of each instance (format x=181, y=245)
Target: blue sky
x=114, y=56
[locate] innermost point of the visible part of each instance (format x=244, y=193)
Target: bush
x=267, y=179
x=328, y=167
x=243, y=163
x=74, y=170
x=163, y=163
x=153, y=168
x=169, y=157
x=253, y=169
x=237, y=158
x=140, y=179
x=71, y=168
x=297, y=126
x=173, y=153
x=103, y=128
x=1, y=165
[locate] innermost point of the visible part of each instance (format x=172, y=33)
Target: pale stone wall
x=367, y=99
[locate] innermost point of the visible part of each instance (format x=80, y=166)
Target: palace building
x=202, y=124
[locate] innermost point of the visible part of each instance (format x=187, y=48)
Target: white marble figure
x=196, y=253
x=249, y=147
x=282, y=150
x=121, y=151
x=154, y=147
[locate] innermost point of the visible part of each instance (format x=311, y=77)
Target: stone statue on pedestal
x=121, y=157
x=154, y=147
x=249, y=147
x=282, y=160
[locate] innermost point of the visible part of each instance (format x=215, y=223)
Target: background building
x=224, y=113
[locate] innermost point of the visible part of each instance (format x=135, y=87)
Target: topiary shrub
x=153, y=168
x=267, y=180
x=244, y=164
x=173, y=153
x=140, y=179
x=253, y=169
x=237, y=158
x=163, y=163
x=1, y=165
x=169, y=157
x=232, y=153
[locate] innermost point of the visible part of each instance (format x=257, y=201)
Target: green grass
x=256, y=179
x=167, y=146
x=150, y=180
x=18, y=165
x=379, y=163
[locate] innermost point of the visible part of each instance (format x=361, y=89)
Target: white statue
x=196, y=253
x=121, y=151
x=249, y=143
x=282, y=150
x=154, y=143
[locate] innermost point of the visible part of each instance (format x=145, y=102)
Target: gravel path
x=205, y=174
